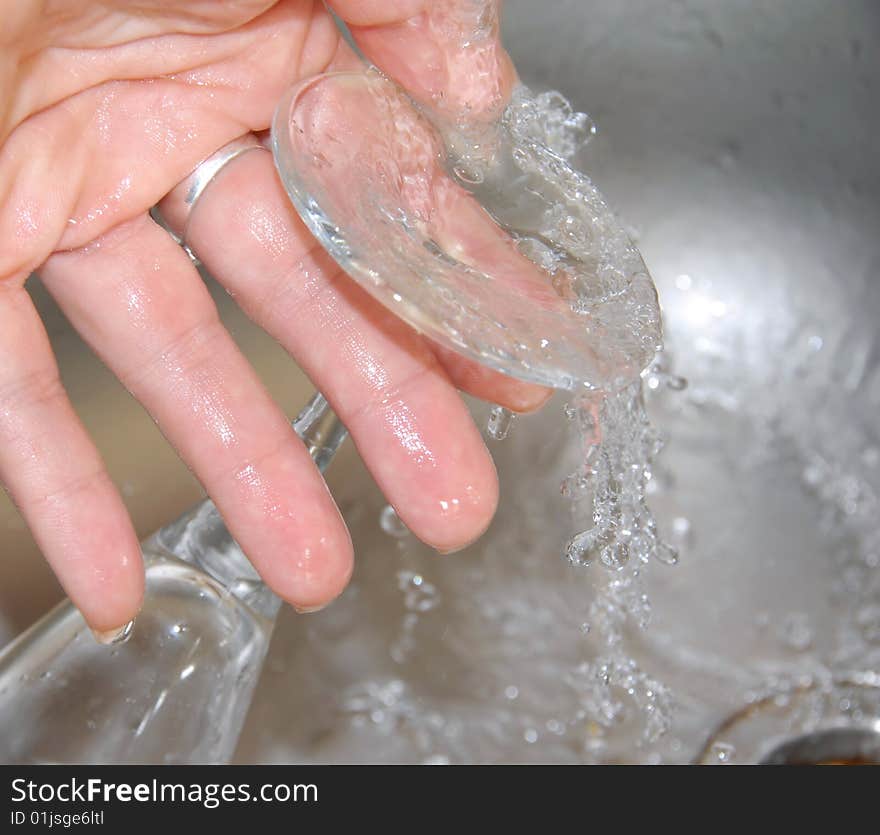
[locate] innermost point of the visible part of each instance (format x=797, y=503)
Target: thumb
x=446, y=53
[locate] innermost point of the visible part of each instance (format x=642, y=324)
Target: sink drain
x=811, y=720
x=835, y=746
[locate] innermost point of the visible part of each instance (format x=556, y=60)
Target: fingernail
x=455, y=550
x=114, y=637
x=308, y=610
x=460, y=548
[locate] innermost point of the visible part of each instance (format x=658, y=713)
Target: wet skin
x=103, y=109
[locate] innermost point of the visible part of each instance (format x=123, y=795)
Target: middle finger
x=384, y=381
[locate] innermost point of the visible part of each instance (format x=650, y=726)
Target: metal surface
x=843, y=746
x=738, y=139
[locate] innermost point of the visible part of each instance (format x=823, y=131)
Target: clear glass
x=480, y=236
x=178, y=690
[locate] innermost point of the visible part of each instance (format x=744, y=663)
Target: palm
x=115, y=109
x=123, y=144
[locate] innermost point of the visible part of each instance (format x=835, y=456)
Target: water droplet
x=500, y=421
x=574, y=486
x=666, y=554
x=555, y=727
x=114, y=637
x=419, y=595
x=795, y=632
x=578, y=551
x=723, y=752
x=391, y=523
x=615, y=556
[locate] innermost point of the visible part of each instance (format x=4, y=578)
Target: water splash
x=587, y=320
x=592, y=261
x=420, y=596
x=392, y=524
x=499, y=423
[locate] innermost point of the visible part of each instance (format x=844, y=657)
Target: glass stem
x=200, y=536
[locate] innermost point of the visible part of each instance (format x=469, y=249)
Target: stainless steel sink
x=738, y=140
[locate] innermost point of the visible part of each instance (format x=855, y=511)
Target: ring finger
x=137, y=299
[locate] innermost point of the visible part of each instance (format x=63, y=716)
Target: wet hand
x=104, y=111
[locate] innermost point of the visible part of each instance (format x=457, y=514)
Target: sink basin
x=738, y=141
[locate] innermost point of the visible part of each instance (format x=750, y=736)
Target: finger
x=56, y=476
x=408, y=421
x=137, y=299
x=483, y=382
x=446, y=53
x=378, y=12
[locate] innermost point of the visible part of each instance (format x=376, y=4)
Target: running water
x=520, y=168
x=586, y=245
x=467, y=218
x=521, y=172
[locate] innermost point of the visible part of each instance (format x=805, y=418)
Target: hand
x=107, y=108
